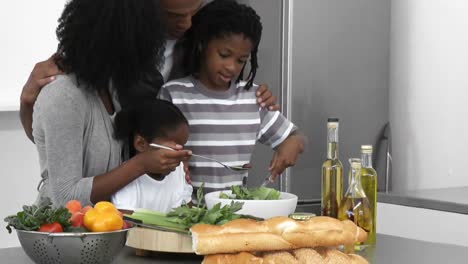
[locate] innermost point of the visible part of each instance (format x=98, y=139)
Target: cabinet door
x=422, y=224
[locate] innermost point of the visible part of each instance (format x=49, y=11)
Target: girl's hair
x=151, y=119
x=107, y=40
x=219, y=19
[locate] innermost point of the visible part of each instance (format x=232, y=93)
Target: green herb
x=32, y=217
x=242, y=193
x=184, y=217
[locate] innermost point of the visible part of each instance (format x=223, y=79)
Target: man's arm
x=43, y=73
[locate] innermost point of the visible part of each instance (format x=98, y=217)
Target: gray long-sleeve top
x=73, y=133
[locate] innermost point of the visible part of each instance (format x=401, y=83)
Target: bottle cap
x=355, y=162
x=366, y=148
x=333, y=119
x=332, y=123
x=302, y=216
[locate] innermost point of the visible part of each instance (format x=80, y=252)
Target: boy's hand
x=286, y=155
x=266, y=99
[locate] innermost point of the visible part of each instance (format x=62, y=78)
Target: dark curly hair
x=151, y=119
x=219, y=19
x=113, y=40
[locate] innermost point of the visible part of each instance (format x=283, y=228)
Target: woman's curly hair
x=113, y=40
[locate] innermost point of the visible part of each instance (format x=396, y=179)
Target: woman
x=109, y=51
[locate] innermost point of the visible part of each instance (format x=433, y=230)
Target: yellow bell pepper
x=103, y=217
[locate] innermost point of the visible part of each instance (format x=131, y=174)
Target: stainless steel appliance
x=326, y=58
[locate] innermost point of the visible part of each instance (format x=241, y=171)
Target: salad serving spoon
x=233, y=168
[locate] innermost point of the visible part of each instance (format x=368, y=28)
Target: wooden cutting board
x=157, y=240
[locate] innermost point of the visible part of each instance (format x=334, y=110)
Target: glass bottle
x=332, y=173
x=355, y=205
x=369, y=184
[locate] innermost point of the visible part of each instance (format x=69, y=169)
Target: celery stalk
x=157, y=219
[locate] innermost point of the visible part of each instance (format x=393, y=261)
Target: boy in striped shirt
x=224, y=118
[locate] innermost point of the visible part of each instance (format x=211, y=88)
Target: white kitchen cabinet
x=422, y=224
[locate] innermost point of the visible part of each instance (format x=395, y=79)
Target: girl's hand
x=163, y=161
x=266, y=99
x=43, y=73
x=286, y=155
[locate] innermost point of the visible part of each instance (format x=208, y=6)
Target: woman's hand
x=286, y=155
x=163, y=161
x=266, y=99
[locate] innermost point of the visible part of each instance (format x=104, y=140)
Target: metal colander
x=71, y=248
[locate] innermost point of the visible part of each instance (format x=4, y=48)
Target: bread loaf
x=278, y=233
x=297, y=256
x=239, y=258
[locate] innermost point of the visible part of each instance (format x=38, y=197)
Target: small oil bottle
x=369, y=185
x=355, y=205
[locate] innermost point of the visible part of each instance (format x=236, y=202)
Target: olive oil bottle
x=369, y=184
x=355, y=205
x=332, y=173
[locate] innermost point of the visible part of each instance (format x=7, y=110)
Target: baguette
x=278, y=233
x=240, y=258
x=297, y=256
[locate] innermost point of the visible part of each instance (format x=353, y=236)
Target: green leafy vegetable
x=32, y=217
x=242, y=193
x=224, y=196
x=184, y=217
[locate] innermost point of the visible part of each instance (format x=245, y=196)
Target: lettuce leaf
x=260, y=193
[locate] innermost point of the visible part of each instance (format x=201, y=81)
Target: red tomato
x=126, y=225
x=73, y=206
x=86, y=209
x=76, y=219
x=51, y=228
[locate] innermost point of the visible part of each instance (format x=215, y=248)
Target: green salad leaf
x=260, y=193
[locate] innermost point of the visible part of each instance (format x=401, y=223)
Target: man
x=179, y=16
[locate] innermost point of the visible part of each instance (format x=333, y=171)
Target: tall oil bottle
x=332, y=173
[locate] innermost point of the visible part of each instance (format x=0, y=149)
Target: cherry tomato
x=51, y=228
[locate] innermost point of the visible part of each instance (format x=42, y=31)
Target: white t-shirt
x=168, y=58
x=148, y=193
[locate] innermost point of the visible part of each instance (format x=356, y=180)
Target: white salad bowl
x=259, y=208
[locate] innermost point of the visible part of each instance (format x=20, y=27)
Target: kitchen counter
x=389, y=250
x=454, y=200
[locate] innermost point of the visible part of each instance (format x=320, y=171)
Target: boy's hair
x=218, y=19
x=120, y=41
x=151, y=119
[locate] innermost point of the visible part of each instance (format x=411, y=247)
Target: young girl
x=160, y=122
x=225, y=120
